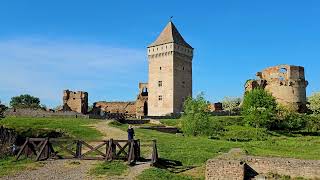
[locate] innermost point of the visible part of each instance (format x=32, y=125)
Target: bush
x=288, y=119
x=243, y=133
x=259, y=108
x=195, y=120
x=314, y=103
x=25, y=101
x=313, y=123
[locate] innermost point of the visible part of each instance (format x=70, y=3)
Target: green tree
x=25, y=101
x=314, y=103
x=259, y=108
x=195, y=120
x=231, y=104
x=2, y=109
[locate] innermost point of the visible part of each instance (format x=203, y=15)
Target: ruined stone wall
x=285, y=166
x=42, y=113
x=75, y=101
x=116, y=107
x=142, y=101
x=224, y=170
x=238, y=168
x=286, y=83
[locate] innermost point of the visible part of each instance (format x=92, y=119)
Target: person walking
x=130, y=132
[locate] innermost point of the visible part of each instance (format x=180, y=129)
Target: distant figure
x=130, y=132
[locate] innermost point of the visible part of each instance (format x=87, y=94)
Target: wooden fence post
x=131, y=157
x=154, y=152
x=79, y=149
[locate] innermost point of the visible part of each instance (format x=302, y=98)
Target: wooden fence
x=55, y=148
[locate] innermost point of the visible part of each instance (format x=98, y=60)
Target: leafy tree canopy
x=196, y=116
x=25, y=101
x=259, y=108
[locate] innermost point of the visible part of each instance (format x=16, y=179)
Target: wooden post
x=154, y=152
x=131, y=157
x=107, y=148
x=79, y=149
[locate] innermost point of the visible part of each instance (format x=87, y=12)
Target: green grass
x=195, y=151
x=171, y=122
x=114, y=168
x=70, y=127
x=9, y=166
x=224, y=120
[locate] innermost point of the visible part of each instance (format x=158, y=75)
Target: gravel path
x=57, y=169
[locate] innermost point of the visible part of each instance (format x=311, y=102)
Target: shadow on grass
x=172, y=165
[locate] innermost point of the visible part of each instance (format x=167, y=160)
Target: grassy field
x=184, y=156
x=183, y=152
x=69, y=127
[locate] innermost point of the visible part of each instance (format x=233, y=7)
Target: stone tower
x=75, y=101
x=170, y=72
x=287, y=84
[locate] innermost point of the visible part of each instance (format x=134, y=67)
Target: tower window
x=160, y=68
x=183, y=84
x=182, y=67
x=160, y=98
x=160, y=83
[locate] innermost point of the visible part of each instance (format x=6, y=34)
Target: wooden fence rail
x=54, y=148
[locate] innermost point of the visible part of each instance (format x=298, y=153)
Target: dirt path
x=58, y=169
x=109, y=131
x=79, y=169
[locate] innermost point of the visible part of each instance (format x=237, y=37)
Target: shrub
x=195, y=120
x=288, y=119
x=244, y=133
x=25, y=101
x=259, y=108
x=313, y=123
x=314, y=103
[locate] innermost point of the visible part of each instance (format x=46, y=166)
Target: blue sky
x=100, y=46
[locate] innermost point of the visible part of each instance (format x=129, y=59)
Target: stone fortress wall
x=75, y=101
x=231, y=166
x=287, y=84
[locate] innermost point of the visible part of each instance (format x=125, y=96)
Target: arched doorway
x=145, y=108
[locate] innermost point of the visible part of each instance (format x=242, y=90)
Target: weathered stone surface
x=286, y=83
x=170, y=73
x=75, y=101
x=237, y=165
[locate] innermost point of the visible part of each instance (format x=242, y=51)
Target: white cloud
x=44, y=68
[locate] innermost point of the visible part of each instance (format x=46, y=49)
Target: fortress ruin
x=75, y=101
x=287, y=84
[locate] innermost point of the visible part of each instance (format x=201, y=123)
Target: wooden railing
x=55, y=148
x=45, y=148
